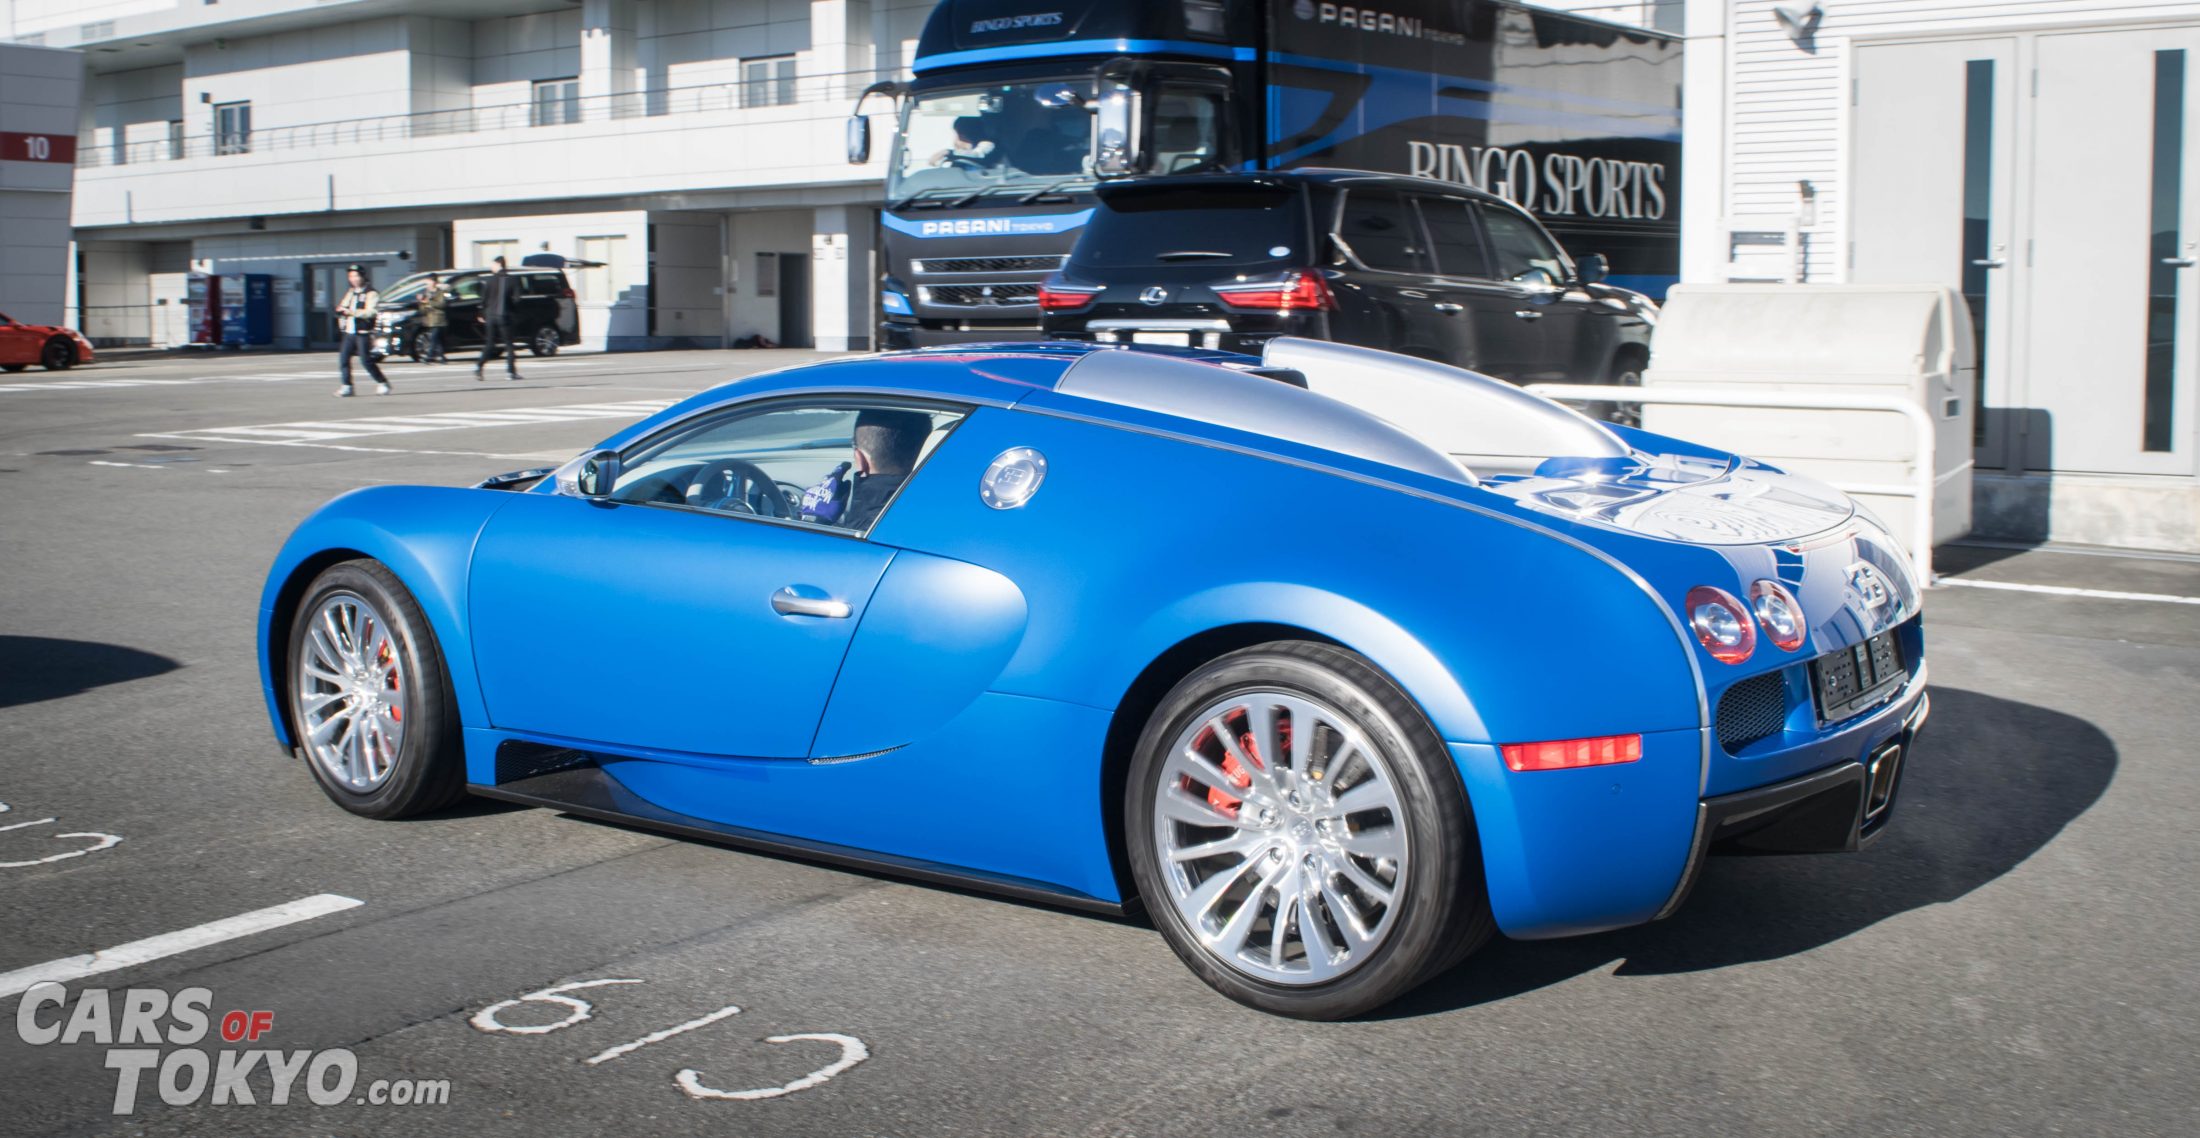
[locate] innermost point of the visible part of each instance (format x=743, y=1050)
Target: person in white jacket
x=355, y=318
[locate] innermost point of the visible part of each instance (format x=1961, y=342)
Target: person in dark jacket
x=355, y=316
x=434, y=300
x=499, y=306
x=887, y=446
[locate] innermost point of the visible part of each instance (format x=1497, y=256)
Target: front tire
x=1279, y=890
x=369, y=698
x=59, y=355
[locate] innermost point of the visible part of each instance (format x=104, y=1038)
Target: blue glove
x=825, y=502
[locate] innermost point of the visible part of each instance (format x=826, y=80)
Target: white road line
x=660, y=1036
x=71, y=968
x=2068, y=591
x=324, y=430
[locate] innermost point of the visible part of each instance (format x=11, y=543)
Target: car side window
x=468, y=288
x=1519, y=248
x=1452, y=236
x=834, y=465
x=1381, y=231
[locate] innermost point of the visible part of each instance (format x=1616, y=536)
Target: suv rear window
x=1211, y=225
x=542, y=284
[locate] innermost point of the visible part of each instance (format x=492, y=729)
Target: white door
x=1935, y=125
x=2115, y=213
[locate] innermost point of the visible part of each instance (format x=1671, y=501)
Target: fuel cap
x=1013, y=478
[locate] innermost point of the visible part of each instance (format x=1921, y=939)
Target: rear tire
x=545, y=342
x=370, y=701
x=1376, y=888
x=1627, y=368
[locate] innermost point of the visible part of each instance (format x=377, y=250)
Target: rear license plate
x=1179, y=339
x=1857, y=677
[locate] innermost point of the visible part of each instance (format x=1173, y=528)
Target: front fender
x=424, y=534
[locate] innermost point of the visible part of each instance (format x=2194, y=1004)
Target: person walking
x=434, y=299
x=355, y=316
x=499, y=298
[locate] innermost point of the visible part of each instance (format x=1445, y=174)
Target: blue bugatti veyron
x=1335, y=661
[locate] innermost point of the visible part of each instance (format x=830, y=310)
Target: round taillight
x=1779, y=612
x=1722, y=624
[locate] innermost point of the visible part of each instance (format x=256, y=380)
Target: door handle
x=1447, y=308
x=787, y=602
x=1527, y=314
x=2180, y=262
x=1988, y=262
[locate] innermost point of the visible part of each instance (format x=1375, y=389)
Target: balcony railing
x=835, y=92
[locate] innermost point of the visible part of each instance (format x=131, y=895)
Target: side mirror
x=1542, y=285
x=859, y=139
x=1592, y=268
x=1111, y=136
x=592, y=475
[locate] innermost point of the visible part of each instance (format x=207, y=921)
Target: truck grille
x=1751, y=710
x=981, y=296
x=1046, y=264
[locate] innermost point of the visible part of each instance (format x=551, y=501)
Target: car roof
x=1305, y=175
x=1209, y=396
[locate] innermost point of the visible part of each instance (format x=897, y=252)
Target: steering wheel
x=738, y=486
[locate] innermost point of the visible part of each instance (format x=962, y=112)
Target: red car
x=22, y=345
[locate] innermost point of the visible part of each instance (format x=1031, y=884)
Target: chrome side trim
x=1685, y=885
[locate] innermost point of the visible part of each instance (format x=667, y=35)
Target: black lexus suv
x=1412, y=265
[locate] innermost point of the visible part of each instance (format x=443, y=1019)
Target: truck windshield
x=1027, y=135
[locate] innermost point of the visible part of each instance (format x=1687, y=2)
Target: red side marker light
x=1603, y=750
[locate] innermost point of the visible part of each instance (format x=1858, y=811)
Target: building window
x=767, y=82
x=597, y=282
x=557, y=101
x=232, y=128
x=175, y=138
x=767, y=274
x=486, y=253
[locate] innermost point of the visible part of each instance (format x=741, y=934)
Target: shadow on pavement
x=34, y=668
x=1990, y=783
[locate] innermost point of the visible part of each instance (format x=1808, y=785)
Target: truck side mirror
x=1592, y=268
x=1111, y=137
x=859, y=139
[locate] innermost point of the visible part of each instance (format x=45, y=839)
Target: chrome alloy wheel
x=1280, y=833
x=351, y=693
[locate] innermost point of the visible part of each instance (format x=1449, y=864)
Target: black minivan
x=545, y=316
x=1412, y=265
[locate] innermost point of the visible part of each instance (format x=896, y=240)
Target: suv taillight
x=1303, y=289
x=1056, y=295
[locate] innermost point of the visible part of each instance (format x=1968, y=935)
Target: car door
x=20, y=345
x=1473, y=313
x=692, y=609
x=1533, y=273
x=1386, y=299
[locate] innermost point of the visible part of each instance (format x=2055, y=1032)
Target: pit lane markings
x=320, y=431
x=324, y=374
x=2069, y=591
x=689, y=1079
x=72, y=968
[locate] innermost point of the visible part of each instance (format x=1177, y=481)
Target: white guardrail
x=1919, y=489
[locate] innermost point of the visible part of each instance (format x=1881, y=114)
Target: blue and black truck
x=1019, y=108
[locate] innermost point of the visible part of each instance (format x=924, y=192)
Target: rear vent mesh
x=1751, y=710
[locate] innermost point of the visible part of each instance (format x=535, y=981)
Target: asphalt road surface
x=2016, y=956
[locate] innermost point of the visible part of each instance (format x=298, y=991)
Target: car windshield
x=1222, y=224
x=405, y=290
x=1026, y=136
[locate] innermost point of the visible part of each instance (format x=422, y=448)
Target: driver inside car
x=886, y=444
